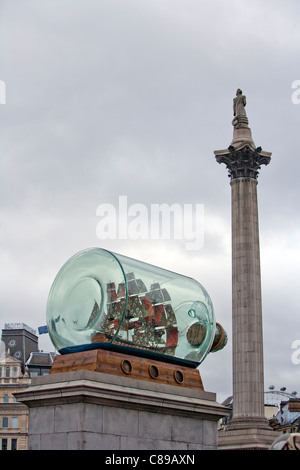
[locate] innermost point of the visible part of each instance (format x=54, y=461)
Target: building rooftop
x=40, y=358
x=19, y=326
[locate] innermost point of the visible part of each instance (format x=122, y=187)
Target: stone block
x=68, y=417
x=92, y=419
x=53, y=441
x=155, y=425
x=209, y=434
x=41, y=420
x=96, y=441
x=187, y=430
x=120, y=421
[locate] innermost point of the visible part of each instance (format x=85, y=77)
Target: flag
x=42, y=329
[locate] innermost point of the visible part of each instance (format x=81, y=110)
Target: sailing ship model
x=149, y=321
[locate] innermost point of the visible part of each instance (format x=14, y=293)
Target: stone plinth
x=90, y=410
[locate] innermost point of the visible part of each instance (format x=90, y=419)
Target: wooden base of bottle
x=110, y=362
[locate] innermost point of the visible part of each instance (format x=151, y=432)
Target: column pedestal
x=252, y=438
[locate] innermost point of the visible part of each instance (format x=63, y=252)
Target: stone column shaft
x=248, y=374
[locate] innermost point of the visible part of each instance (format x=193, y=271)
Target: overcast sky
x=109, y=98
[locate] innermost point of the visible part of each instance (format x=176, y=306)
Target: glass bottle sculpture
x=104, y=300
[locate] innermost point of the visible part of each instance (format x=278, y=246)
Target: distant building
x=20, y=362
x=283, y=415
x=39, y=363
x=13, y=414
x=287, y=420
x=20, y=340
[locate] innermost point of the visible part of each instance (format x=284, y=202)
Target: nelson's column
x=248, y=428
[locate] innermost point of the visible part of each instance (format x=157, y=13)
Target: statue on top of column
x=239, y=102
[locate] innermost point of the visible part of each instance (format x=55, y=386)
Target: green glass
x=101, y=299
